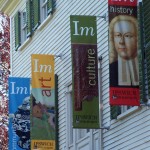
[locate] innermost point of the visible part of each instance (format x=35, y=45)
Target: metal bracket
x=60, y=56
x=100, y=58
x=106, y=127
x=104, y=16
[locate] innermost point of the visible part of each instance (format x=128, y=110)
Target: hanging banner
x=123, y=37
x=43, y=102
x=85, y=72
x=19, y=113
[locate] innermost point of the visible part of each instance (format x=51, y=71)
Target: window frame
x=73, y=135
x=43, y=10
x=128, y=112
x=34, y=21
x=82, y=133
x=23, y=26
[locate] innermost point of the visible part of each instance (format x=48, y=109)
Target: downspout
x=100, y=102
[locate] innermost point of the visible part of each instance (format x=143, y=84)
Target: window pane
x=24, y=18
x=82, y=133
x=43, y=10
x=23, y=26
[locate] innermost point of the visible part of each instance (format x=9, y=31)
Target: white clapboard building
x=123, y=128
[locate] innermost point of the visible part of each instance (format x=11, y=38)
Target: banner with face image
x=43, y=102
x=19, y=113
x=123, y=46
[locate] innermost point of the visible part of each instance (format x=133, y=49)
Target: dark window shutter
x=29, y=18
x=49, y=6
x=17, y=31
x=141, y=56
x=36, y=14
x=146, y=15
x=115, y=111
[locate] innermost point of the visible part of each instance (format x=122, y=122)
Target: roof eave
x=8, y=6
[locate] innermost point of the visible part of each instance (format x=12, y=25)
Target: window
x=23, y=26
x=73, y=134
x=20, y=25
x=82, y=133
x=43, y=10
x=125, y=108
x=118, y=112
x=27, y=21
x=46, y=8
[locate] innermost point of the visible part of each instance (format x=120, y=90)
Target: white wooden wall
x=129, y=132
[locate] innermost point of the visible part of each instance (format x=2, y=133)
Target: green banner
x=85, y=72
x=83, y=29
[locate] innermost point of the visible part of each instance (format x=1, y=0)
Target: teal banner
x=19, y=113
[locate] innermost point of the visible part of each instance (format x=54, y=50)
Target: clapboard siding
x=127, y=144
x=129, y=133
x=103, y=42
x=54, y=38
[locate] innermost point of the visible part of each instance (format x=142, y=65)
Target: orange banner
x=43, y=107
x=42, y=71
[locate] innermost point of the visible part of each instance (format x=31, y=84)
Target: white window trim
x=44, y=23
x=79, y=134
x=86, y=135
x=75, y=133
x=24, y=44
x=43, y=15
x=23, y=28
x=128, y=112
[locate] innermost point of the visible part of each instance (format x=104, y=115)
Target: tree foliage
x=4, y=74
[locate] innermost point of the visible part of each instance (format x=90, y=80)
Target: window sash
x=82, y=133
x=73, y=134
x=43, y=10
x=23, y=26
